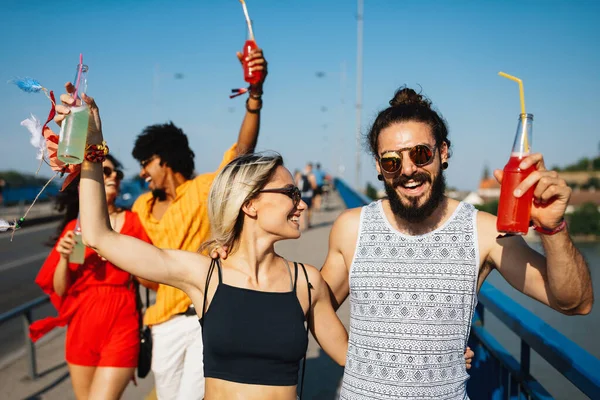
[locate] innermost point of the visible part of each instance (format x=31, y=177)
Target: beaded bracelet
x=253, y=111
x=96, y=153
x=544, y=231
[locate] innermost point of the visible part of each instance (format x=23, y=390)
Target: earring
x=445, y=165
x=380, y=177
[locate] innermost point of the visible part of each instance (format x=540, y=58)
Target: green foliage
x=371, y=191
x=490, y=207
x=593, y=182
x=585, y=220
x=582, y=165
x=16, y=179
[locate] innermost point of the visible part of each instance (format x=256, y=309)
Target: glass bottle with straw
x=252, y=77
x=514, y=213
x=73, y=132
x=78, y=254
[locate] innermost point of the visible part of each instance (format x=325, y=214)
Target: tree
x=593, y=182
x=371, y=191
x=585, y=220
x=490, y=207
x=15, y=179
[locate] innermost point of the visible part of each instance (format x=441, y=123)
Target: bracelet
x=554, y=231
x=256, y=96
x=96, y=153
x=253, y=111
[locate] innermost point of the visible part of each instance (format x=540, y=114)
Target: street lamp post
x=336, y=147
x=359, y=72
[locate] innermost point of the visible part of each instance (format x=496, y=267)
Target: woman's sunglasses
x=420, y=155
x=290, y=191
x=108, y=171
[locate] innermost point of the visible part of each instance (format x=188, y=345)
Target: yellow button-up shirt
x=184, y=226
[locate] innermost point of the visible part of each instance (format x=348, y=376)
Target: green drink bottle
x=73, y=132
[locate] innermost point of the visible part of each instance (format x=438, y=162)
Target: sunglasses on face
x=148, y=160
x=291, y=191
x=108, y=171
x=420, y=155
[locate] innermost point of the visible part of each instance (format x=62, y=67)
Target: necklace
x=114, y=218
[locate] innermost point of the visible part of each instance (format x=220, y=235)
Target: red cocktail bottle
x=514, y=213
x=252, y=77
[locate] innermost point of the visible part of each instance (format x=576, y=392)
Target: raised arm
x=342, y=242
x=325, y=325
x=251, y=124
x=560, y=280
x=135, y=256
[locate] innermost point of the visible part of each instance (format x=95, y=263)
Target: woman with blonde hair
x=254, y=306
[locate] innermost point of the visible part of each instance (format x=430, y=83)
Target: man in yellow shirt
x=175, y=216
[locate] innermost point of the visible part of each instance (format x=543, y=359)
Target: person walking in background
x=319, y=175
x=306, y=186
x=175, y=216
x=413, y=263
x=96, y=300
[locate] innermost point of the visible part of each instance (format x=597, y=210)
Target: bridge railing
x=498, y=375
x=24, y=311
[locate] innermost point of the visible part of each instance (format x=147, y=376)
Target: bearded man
x=413, y=263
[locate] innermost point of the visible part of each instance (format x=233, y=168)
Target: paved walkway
x=322, y=376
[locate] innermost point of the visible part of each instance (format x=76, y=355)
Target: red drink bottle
x=252, y=77
x=514, y=213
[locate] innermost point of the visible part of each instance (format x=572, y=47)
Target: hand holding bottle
x=66, y=244
x=94, y=132
x=254, y=64
x=550, y=194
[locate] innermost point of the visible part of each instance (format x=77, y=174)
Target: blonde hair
x=236, y=184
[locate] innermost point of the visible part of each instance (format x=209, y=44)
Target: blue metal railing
x=25, y=312
x=498, y=375
x=350, y=197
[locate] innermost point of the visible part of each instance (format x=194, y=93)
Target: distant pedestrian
x=306, y=183
x=319, y=175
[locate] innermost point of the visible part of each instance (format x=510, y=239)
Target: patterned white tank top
x=411, y=303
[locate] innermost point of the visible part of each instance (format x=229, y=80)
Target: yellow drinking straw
x=522, y=96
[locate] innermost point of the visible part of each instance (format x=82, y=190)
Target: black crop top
x=253, y=337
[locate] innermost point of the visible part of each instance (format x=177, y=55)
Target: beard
x=413, y=212
x=159, y=194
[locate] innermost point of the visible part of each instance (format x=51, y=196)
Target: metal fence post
x=479, y=309
x=525, y=359
x=29, y=345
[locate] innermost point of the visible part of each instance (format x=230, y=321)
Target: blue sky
x=452, y=49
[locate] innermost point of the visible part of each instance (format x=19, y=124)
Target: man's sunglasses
x=420, y=155
x=290, y=191
x=148, y=160
x=108, y=171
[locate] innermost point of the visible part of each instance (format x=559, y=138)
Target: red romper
x=99, y=307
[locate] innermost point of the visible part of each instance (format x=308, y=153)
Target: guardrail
x=498, y=375
x=24, y=311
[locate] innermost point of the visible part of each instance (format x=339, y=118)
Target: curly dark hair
x=170, y=144
x=408, y=105
x=67, y=202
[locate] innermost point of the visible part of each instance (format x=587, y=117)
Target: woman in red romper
x=96, y=300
